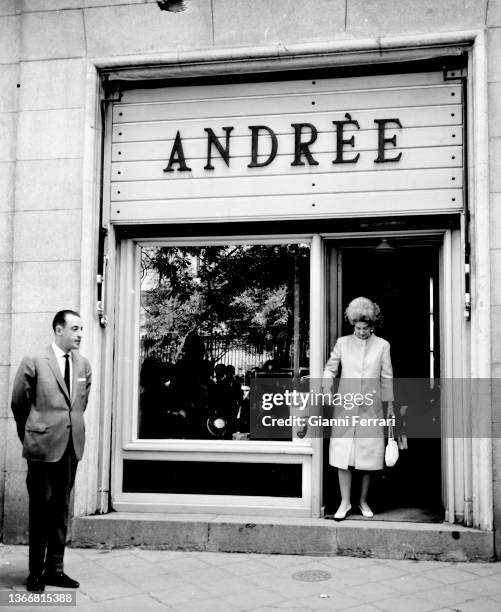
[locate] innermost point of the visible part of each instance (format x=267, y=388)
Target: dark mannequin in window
x=221, y=404
x=153, y=398
x=226, y=398
x=190, y=387
x=237, y=394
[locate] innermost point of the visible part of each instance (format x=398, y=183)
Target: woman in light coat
x=365, y=368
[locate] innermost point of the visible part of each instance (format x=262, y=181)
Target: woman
x=365, y=368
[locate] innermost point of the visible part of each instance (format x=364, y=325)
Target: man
x=48, y=401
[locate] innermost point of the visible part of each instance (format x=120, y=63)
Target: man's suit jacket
x=44, y=412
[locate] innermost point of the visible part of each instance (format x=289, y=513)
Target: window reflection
x=212, y=318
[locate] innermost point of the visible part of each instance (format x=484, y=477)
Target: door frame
x=456, y=452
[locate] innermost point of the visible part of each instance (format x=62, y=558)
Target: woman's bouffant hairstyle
x=361, y=309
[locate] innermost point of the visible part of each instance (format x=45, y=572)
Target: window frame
x=127, y=445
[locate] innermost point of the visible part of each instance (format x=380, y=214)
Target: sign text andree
x=304, y=134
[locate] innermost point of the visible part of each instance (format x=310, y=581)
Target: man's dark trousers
x=49, y=488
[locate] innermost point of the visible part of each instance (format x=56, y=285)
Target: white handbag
x=391, y=452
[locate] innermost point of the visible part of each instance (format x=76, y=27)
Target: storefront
x=210, y=187
x=245, y=214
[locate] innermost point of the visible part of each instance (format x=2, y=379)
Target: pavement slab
x=479, y=605
x=145, y=580
x=409, y=603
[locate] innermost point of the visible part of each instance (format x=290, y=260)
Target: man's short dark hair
x=60, y=317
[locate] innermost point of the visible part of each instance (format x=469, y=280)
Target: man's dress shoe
x=60, y=579
x=35, y=583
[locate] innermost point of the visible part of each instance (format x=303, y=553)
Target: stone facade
x=45, y=47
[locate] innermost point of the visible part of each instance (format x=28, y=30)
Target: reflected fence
x=238, y=351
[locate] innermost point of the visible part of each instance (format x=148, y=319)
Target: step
x=292, y=536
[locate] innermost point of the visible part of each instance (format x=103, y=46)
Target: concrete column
x=9, y=77
x=46, y=210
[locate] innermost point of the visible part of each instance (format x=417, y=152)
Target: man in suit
x=48, y=401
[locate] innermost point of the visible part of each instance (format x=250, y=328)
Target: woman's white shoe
x=341, y=514
x=366, y=511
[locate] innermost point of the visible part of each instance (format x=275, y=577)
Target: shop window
x=211, y=319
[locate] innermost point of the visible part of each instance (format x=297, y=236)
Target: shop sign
x=305, y=135
x=299, y=149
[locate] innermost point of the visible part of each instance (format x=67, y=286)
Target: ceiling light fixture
x=384, y=247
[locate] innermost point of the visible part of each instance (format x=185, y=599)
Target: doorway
x=400, y=274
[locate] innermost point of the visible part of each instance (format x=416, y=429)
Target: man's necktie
x=67, y=373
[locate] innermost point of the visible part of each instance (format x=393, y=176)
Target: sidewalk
x=134, y=580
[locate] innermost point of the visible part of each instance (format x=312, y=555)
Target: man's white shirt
x=61, y=362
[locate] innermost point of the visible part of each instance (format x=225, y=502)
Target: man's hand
x=22, y=392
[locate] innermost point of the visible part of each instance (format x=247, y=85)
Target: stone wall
x=494, y=89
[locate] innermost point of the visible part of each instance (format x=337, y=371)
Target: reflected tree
x=246, y=292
